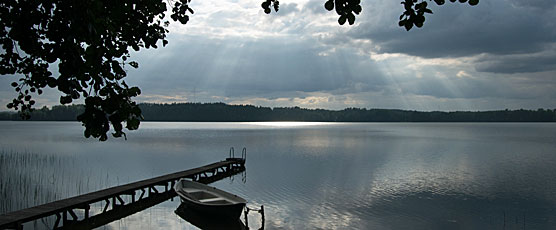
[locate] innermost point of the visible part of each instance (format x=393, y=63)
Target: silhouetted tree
x=247, y=113
x=90, y=41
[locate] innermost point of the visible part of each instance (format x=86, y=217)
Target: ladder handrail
x=232, y=154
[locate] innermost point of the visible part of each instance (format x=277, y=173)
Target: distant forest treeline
x=224, y=112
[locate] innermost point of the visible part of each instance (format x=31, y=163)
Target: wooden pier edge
x=63, y=209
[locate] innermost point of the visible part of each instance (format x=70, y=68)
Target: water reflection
x=337, y=176
x=208, y=222
x=451, y=211
x=287, y=124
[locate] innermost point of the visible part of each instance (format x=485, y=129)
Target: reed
x=29, y=179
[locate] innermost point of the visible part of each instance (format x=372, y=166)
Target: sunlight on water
x=287, y=124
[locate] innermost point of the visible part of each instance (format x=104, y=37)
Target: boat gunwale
x=218, y=193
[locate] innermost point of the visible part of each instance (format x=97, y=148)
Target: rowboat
x=207, y=200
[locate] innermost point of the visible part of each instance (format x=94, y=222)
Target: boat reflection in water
x=204, y=221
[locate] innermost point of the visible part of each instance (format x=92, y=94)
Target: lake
x=307, y=175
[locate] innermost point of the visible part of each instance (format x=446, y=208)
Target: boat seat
x=222, y=201
x=211, y=199
x=191, y=190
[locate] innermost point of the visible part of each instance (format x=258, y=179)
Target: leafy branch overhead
x=90, y=42
x=414, y=13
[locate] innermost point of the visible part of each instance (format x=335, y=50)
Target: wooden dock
x=144, y=189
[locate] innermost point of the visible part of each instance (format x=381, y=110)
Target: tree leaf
x=134, y=64
x=408, y=26
x=342, y=19
x=329, y=5
x=439, y=2
x=351, y=18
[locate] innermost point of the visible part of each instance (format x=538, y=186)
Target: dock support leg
x=154, y=189
x=121, y=200
x=64, y=218
x=262, y=214
x=72, y=214
x=87, y=208
x=57, y=222
x=106, y=206
x=17, y=226
x=142, y=194
x=246, y=212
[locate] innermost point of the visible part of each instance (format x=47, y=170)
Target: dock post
x=57, y=222
x=122, y=202
x=18, y=226
x=106, y=206
x=245, y=212
x=142, y=193
x=262, y=214
x=87, y=208
x=64, y=218
x=73, y=216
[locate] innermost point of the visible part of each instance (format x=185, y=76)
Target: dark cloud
x=468, y=88
x=540, y=4
x=272, y=68
x=239, y=68
x=538, y=62
x=446, y=89
x=456, y=30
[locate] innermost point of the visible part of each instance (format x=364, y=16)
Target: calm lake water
x=307, y=175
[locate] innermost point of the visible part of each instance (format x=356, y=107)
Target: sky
x=500, y=54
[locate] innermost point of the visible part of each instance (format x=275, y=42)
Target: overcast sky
x=496, y=55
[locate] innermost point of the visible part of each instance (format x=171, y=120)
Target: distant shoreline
x=220, y=112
